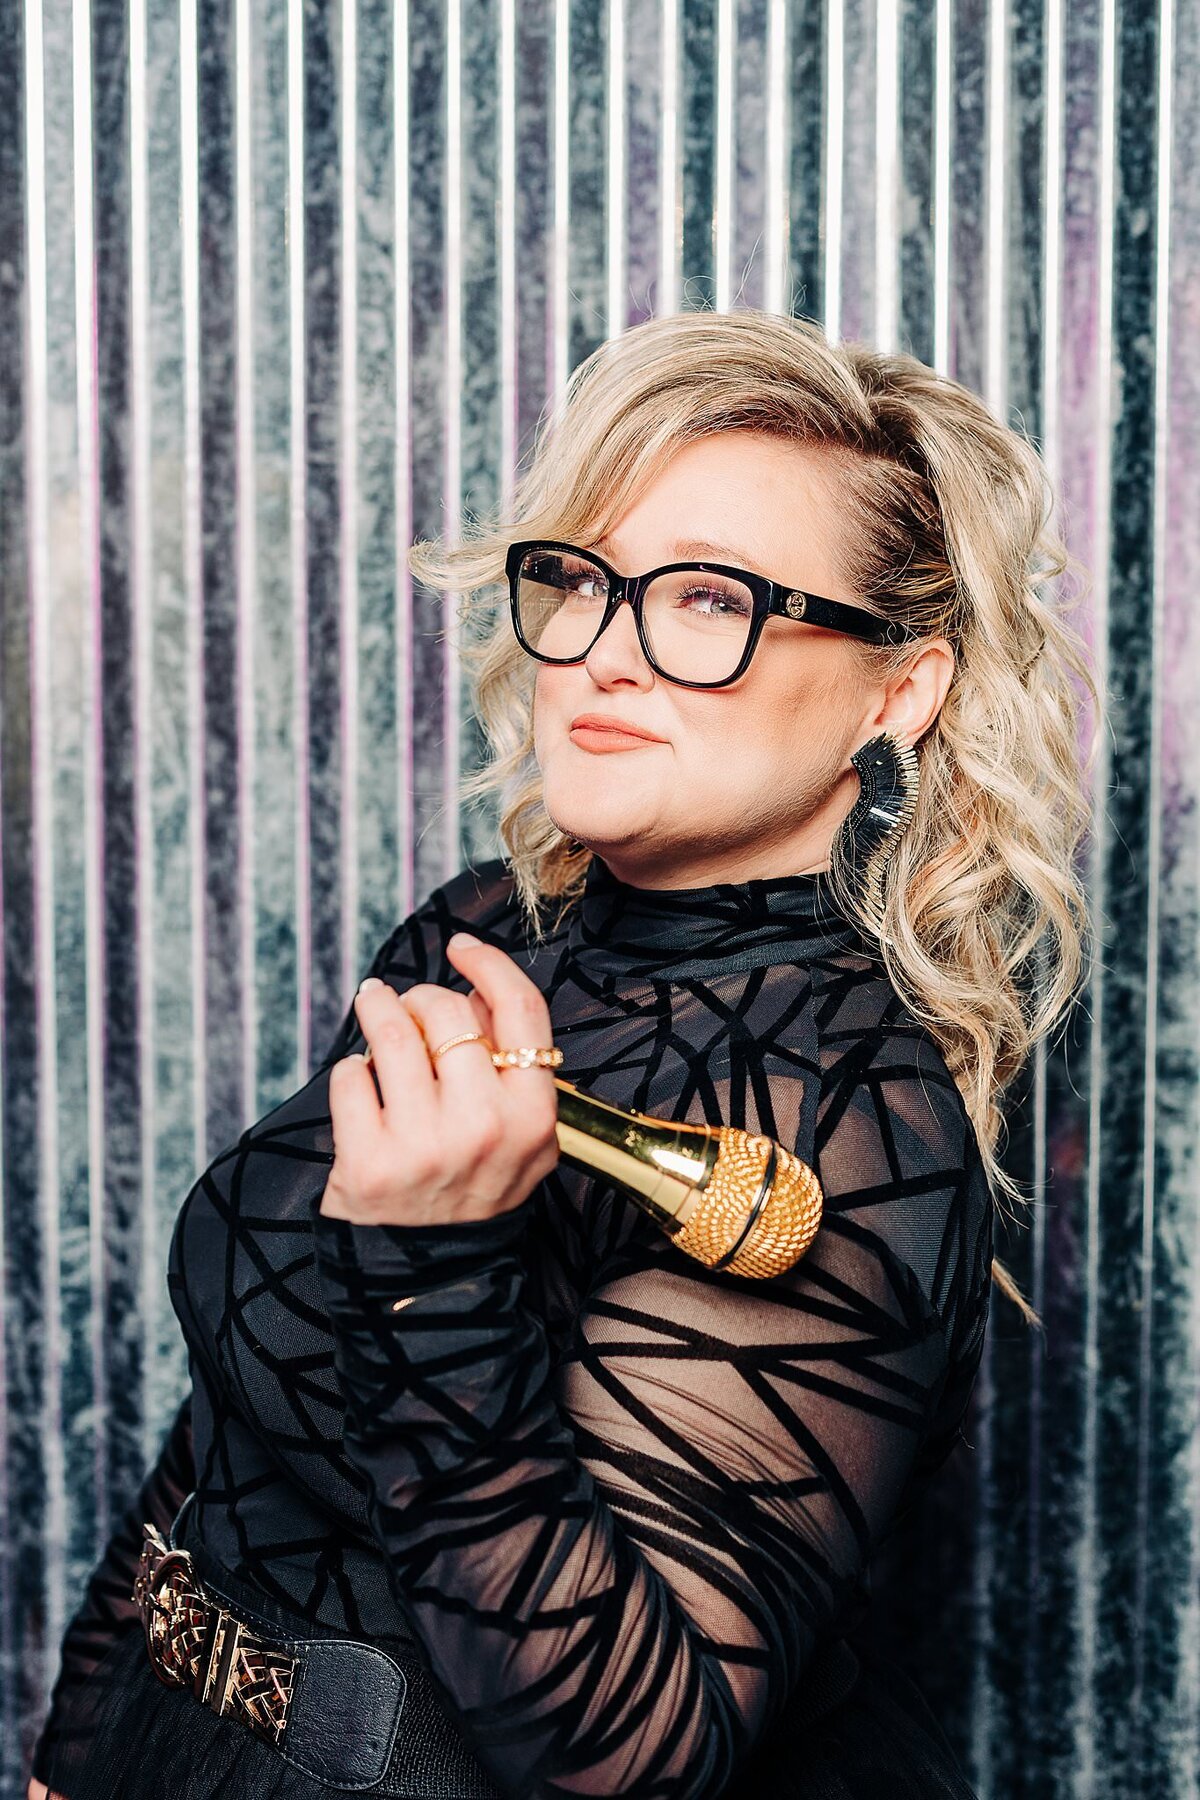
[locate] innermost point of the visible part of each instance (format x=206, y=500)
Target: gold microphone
x=732, y=1199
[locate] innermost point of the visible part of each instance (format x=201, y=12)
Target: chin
x=601, y=835
x=598, y=812
x=596, y=837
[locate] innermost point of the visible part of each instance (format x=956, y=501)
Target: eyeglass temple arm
x=839, y=615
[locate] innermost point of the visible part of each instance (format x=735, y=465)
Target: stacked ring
x=524, y=1057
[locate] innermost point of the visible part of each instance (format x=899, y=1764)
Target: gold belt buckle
x=194, y=1641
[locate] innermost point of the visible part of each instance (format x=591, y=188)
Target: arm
x=620, y=1566
x=107, y=1611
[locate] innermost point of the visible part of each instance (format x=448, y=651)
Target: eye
x=573, y=577
x=583, y=580
x=724, y=602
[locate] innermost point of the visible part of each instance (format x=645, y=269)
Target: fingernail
x=462, y=938
x=369, y=981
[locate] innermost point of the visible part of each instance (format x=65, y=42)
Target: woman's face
x=748, y=780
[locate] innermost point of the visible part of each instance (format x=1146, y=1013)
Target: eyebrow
x=704, y=548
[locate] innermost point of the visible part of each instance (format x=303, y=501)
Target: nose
x=618, y=647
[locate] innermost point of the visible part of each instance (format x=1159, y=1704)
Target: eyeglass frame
x=771, y=599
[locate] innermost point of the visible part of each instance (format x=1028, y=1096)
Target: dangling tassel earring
x=890, y=780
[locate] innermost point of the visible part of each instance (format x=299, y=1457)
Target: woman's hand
x=37, y=1790
x=453, y=1140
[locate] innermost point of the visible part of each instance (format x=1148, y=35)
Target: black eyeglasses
x=698, y=623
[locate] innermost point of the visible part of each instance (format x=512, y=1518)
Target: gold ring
x=523, y=1058
x=464, y=1037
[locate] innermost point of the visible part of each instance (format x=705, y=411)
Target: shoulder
x=894, y=1145
x=480, y=892
x=871, y=1047
x=481, y=898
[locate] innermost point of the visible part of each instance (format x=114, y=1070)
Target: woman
x=607, y=1512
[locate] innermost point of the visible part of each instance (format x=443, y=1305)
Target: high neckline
x=723, y=928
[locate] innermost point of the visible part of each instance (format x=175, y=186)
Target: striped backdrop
x=283, y=285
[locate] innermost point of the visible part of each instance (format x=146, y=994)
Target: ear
x=913, y=697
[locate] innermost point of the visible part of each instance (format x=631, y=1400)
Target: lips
x=601, y=743
x=599, y=723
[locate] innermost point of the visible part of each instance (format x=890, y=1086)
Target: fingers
x=464, y=1076
x=398, y=1049
x=353, y=1103
x=400, y=1064
x=455, y=1138
x=403, y=1030
x=517, y=1007
x=483, y=1015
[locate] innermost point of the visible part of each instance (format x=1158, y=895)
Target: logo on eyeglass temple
x=795, y=605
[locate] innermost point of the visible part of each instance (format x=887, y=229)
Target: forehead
x=760, y=502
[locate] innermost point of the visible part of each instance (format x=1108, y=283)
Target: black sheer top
x=616, y=1499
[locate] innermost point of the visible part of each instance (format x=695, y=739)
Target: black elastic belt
x=343, y=1711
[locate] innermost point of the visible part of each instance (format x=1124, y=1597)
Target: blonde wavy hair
x=986, y=915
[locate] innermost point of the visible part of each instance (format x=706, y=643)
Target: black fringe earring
x=890, y=779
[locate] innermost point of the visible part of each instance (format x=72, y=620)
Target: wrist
x=372, y=1260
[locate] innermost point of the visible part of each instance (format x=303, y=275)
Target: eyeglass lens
x=696, y=623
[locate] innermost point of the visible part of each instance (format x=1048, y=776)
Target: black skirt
x=881, y=1741
x=132, y=1738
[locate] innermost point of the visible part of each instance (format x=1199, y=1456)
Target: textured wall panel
x=283, y=286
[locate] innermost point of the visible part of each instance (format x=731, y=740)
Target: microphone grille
x=787, y=1220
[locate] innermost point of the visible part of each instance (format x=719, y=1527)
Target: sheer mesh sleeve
x=619, y=1560
x=107, y=1612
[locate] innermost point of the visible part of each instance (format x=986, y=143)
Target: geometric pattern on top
x=616, y=1497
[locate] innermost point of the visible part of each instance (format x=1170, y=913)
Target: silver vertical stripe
x=668, y=243
x=403, y=896
x=835, y=152
x=398, y=225
x=297, y=449
x=454, y=403
x=189, y=307
x=141, y=563
x=41, y=747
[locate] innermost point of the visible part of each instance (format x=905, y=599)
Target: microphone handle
x=663, y=1165
x=731, y=1199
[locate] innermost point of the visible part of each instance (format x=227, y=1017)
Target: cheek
x=546, y=707
x=793, y=711
x=813, y=703
x=552, y=694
